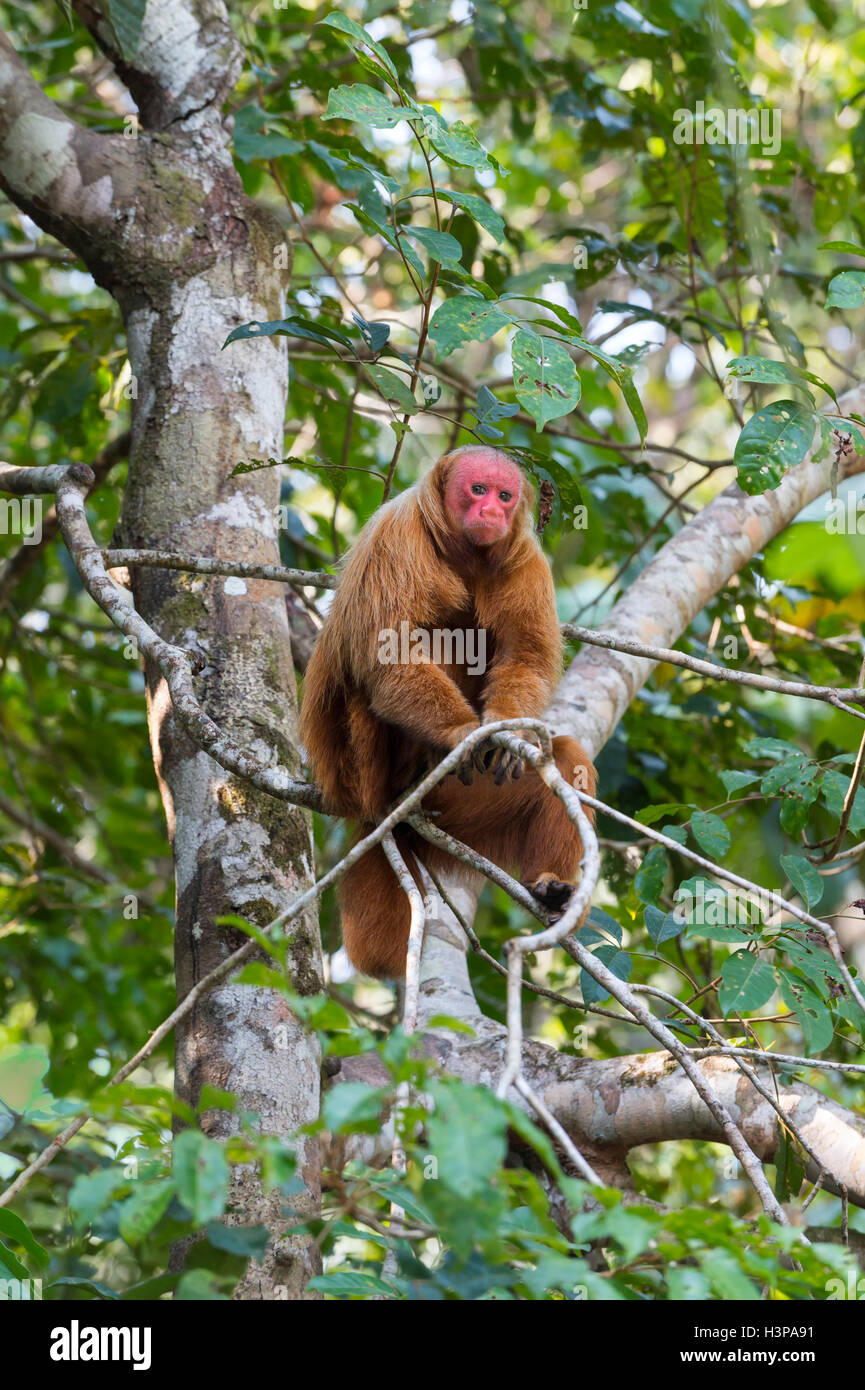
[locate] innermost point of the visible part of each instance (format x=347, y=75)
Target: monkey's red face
x=481, y=496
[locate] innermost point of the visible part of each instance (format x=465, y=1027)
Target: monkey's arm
x=521, y=614
x=423, y=700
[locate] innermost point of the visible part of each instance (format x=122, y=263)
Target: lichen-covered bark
x=199, y=411
x=162, y=222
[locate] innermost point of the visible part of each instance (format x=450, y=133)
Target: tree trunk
x=162, y=222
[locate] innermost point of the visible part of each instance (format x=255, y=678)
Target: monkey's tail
x=374, y=908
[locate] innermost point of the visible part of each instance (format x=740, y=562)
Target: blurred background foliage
x=596, y=229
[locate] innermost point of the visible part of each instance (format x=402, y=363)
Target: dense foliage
x=498, y=234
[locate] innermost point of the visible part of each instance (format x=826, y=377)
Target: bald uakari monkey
x=386, y=692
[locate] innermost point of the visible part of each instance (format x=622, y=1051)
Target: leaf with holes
x=545, y=377
x=772, y=442
x=813, y=1017
x=711, y=834
x=767, y=370
x=465, y=319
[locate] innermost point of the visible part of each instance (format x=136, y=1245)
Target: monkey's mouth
x=486, y=533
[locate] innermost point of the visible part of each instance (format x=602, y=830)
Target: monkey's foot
x=554, y=893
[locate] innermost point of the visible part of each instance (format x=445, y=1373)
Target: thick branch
x=186, y=57
x=685, y=574
x=54, y=169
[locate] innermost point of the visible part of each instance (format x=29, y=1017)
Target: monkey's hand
x=465, y=770
x=503, y=762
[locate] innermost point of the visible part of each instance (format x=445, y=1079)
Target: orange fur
x=370, y=727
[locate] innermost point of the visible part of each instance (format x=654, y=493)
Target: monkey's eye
x=506, y=496
x=478, y=489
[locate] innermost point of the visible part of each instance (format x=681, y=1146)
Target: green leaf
x=21, y=1071
x=367, y=105
x=616, y=961
x=545, y=378
x=353, y=1107
x=567, y=320
x=651, y=874
x=804, y=878
x=489, y=410
x=648, y=815
x=11, y=1266
x=375, y=335
x=199, y=1286
x=605, y=923
x=833, y=789
x=457, y=144
x=789, y=1172
x=772, y=442
x=848, y=247
x=711, y=833
x=340, y=21
x=772, y=748
x=70, y=1281
x=467, y=1134
x=14, y=1229
x=387, y=234
x=201, y=1175
x=814, y=1018
x=735, y=781
x=352, y=1285
x=746, y=983
x=92, y=1192
x=847, y=290
x=465, y=319
x=249, y=1241
x=476, y=207
x=250, y=142
x=313, y=330
x=393, y=387
x=440, y=245
x=126, y=18
x=726, y=1277
x=662, y=926
x=766, y=369
x=633, y=402
x=139, y=1213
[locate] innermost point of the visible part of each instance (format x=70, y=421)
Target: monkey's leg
x=522, y=824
